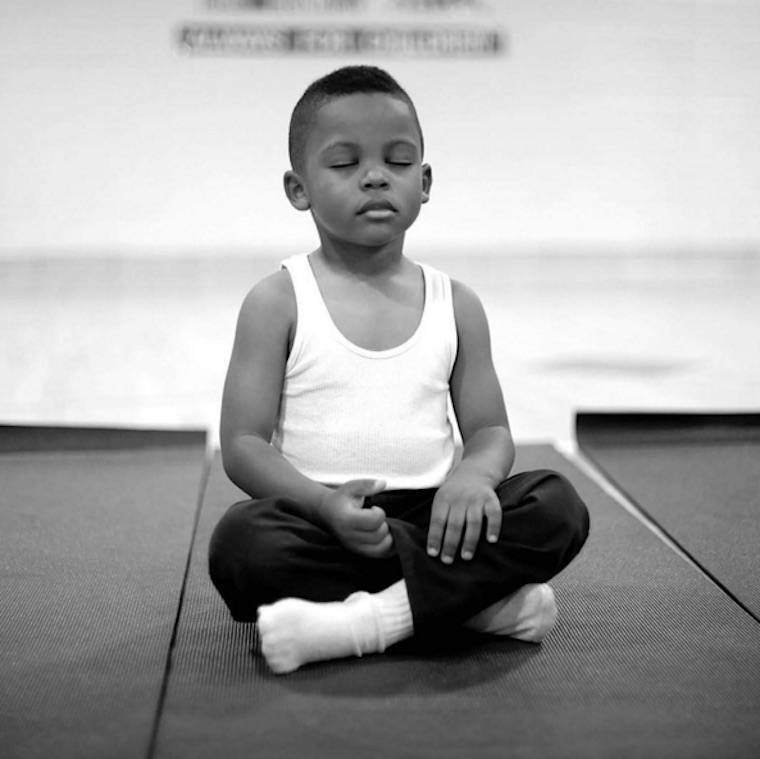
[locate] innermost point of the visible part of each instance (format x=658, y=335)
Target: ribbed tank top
x=348, y=412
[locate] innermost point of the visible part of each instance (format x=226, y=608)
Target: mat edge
x=15, y=438
x=625, y=427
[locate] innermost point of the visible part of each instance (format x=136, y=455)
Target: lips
x=376, y=205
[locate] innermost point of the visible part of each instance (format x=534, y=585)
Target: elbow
x=233, y=458
x=241, y=452
x=227, y=446
x=229, y=466
x=230, y=463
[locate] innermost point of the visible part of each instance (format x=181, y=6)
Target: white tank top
x=348, y=412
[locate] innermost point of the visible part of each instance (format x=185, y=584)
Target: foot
x=294, y=632
x=528, y=614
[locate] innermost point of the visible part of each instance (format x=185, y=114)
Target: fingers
x=473, y=527
x=376, y=544
x=438, y=518
x=451, y=525
x=451, y=538
x=367, y=541
x=445, y=531
x=368, y=534
x=493, y=519
x=367, y=520
x=371, y=537
x=377, y=550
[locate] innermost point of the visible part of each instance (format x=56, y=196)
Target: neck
x=360, y=260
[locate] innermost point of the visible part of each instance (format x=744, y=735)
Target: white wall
x=624, y=123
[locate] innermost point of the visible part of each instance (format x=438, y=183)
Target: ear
x=427, y=181
x=296, y=191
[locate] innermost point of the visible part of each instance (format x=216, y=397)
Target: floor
x=144, y=341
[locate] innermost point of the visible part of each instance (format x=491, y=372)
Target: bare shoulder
x=468, y=308
x=274, y=291
x=271, y=299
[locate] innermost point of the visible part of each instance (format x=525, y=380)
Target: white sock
x=528, y=614
x=394, y=614
x=294, y=632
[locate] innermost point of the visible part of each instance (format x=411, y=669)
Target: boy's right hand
x=363, y=531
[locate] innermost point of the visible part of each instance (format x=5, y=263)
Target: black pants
x=262, y=550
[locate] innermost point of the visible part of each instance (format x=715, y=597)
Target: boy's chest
x=376, y=320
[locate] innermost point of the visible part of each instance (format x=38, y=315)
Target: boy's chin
x=377, y=239
x=381, y=243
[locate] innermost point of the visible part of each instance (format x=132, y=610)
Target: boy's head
x=356, y=153
x=344, y=81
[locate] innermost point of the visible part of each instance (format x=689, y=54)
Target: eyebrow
x=338, y=144
x=404, y=143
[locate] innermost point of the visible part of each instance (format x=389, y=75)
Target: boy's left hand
x=460, y=504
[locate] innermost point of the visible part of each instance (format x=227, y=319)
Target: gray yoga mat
x=93, y=549
x=648, y=658
x=698, y=477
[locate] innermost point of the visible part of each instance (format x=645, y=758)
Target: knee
x=563, y=514
x=240, y=553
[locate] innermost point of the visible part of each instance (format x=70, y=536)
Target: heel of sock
x=527, y=614
x=543, y=618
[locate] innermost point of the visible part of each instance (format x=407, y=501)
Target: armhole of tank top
x=451, y=319
x=439, y=289
x=296, y=348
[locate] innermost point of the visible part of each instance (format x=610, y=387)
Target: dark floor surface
x=697, y=476
x=650, y=657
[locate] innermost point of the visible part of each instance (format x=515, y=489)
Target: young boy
x=365, y=526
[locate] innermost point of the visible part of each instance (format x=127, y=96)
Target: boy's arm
x=468, y=495
x=252, y=395
x=250, y=405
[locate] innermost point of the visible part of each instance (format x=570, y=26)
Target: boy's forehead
x=361, y=114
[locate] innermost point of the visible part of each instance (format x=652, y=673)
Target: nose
x=374, y=177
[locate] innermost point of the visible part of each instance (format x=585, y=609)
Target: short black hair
x=347, y=80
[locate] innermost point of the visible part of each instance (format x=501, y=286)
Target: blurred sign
x=321, y=6
x=267, y=39
x=414, y=28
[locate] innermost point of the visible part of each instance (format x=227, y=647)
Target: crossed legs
x=314, y=600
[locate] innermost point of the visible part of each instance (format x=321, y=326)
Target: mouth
x=379, y=209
